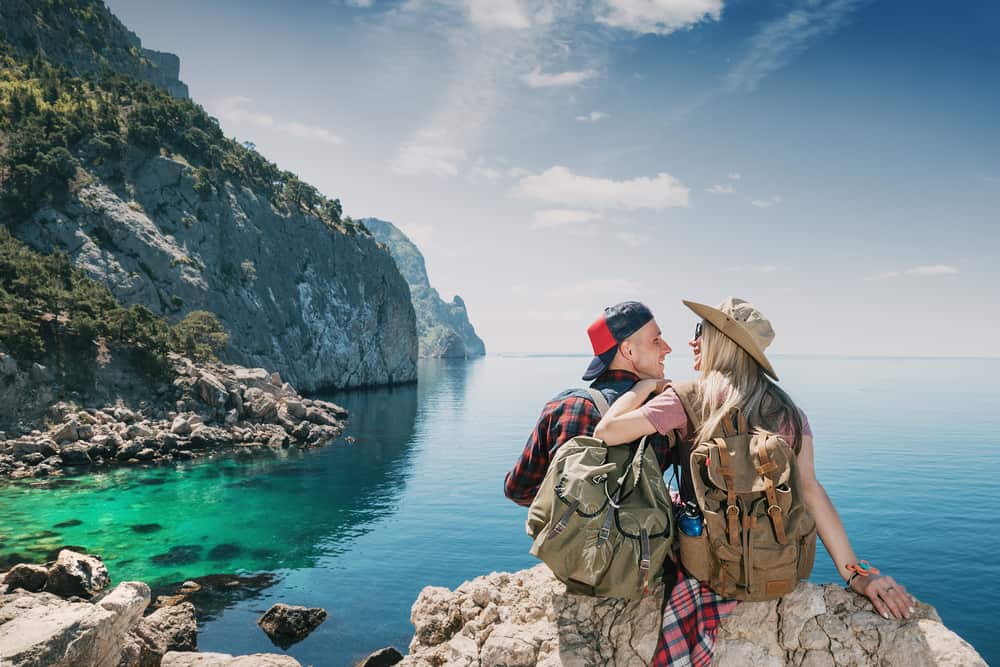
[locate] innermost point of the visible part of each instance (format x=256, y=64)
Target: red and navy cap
x=616, y=324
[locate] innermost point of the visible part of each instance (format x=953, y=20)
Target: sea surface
x=907, y=449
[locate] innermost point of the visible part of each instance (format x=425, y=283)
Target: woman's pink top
x=666, y=413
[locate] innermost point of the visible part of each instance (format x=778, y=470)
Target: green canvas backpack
x=758, y=539
x=601, y=519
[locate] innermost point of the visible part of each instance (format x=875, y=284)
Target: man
x=628, y=347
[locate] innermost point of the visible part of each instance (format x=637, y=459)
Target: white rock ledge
x=526, y=618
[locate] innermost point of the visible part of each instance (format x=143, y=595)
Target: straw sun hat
x=742, y=323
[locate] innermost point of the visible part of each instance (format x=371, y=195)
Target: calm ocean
x=907, y=449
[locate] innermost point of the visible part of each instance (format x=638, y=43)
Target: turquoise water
x=907, y=449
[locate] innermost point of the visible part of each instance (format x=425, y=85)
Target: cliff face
x=144, y=192
x=527, y=619
x=323, y=308
x=86, y=38
x=443, y=328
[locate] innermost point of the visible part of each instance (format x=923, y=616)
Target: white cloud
x=559, y=217
x=234, y=110
x=592, y=117
x=558, y=185
x=496, y=14
x=767, y=203
x=659, y=17
x=361, y=4
x=929, y=270
x=429, y=157
x=780, y=40
x=932, y=270
x=718, y=189
x=538, y=79
x=735, y=175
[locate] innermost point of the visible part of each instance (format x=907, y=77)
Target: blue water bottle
x=690, y=520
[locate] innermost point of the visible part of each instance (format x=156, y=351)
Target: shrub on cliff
x=199, y=335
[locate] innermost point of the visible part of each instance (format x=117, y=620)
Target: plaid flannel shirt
x=569, y=414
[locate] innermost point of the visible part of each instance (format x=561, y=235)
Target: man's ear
x=625, y=347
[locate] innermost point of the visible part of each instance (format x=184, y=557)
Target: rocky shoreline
x=209, y=408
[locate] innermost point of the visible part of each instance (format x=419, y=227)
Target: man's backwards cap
x=617, y=323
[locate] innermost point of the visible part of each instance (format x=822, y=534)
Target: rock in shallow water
x=175, y=659
x=287, y=624
x=31, y=578
x=76, y=574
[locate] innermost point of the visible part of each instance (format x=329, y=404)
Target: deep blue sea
x=907, y=449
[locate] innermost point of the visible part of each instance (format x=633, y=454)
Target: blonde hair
x=732, y=379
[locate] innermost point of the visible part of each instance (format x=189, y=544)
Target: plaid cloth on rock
x=691, y=617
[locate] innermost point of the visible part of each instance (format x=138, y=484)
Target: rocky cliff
x=527, y=618
x=86, y=38
x=443, y=328
x=145, y=193
x=324, y=308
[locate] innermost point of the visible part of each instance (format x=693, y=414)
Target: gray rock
x=77, y=454
x=77, y=574
x=180, y=426
x=8, y=365
x=66, y=432
x=31, y=578
x=41, y=629
x=212, y=391
x=175, y=659
x=138, y=431
x=527, y=618
x=296, y=409
x=385, y=657
x=170, y=628
x=286, y=624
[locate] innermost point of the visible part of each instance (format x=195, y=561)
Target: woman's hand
x=889, y=597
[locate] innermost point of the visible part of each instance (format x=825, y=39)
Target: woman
x=728, y=348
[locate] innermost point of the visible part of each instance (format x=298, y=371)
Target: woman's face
x=695, y=345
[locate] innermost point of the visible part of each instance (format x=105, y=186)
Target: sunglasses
x=697, y=331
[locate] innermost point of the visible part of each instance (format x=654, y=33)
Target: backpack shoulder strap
x=599, y=400
x=689, y=394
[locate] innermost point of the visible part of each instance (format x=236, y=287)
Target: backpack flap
x=745, y=460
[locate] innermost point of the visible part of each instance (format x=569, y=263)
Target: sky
x=835, y=162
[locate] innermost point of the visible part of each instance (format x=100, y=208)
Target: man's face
x=646, y=350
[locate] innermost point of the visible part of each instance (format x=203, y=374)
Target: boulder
x=138, y=431
x=527, y=618
x=211, y=390
x=8, y=365
x=42, y=629
x=170, y=628
x=295, y=409
x=261, y=405
x=210, y=437
x=77, y=454
x=385, y=657
x=28, y=577
x=76, y=574
x=66, y=432
x=287, y=624
x=180, y=426
x=175, y=659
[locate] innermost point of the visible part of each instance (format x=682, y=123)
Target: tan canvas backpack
x=758, y=539
x=601, y=519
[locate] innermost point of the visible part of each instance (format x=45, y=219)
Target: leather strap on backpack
x=766, y=469
x=729, y=479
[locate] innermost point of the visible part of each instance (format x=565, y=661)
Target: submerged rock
x=183, y=554
x=287, y=624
